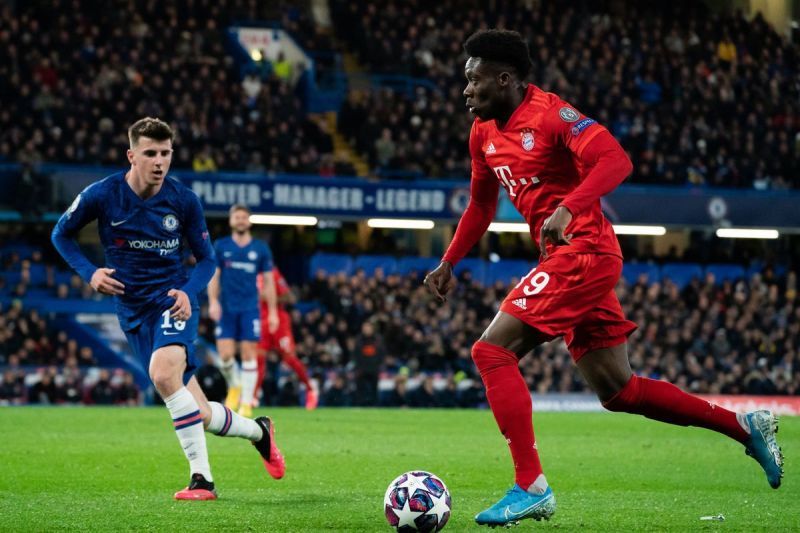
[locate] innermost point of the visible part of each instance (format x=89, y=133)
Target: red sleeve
x=482, y=205
x=604, y=161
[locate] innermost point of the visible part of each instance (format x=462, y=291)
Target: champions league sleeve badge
x=568, y=114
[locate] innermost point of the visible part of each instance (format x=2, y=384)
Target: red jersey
x=540, y=158
x=281, y=287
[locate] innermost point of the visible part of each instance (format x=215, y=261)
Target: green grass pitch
x=104, y=469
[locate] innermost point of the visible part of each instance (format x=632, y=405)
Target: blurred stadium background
x=344, y=120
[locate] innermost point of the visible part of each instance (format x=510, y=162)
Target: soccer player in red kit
x=555, y=164
x=282, y=340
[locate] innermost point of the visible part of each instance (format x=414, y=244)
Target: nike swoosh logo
x=171, y=332
x=510, y=515
x=118, y=223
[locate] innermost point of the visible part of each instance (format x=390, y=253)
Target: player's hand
x=214, y=310
x=553, y=229
x=441, y=280
x=273, y=321
x=182, y=308
x=103, y=283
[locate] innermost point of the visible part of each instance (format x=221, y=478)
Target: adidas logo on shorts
x=522, y=303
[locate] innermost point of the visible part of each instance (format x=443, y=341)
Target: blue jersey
x=239, y=266
x=143, y=242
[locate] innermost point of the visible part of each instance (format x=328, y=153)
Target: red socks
x=292, y=361
x=511, y=405
x=298, y=366
x=665, y=402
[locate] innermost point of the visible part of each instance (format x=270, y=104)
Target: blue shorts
x=239, y=326
x=161, y=330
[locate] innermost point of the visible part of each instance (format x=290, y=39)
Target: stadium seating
x=369, y=263
x=476, y=267
x=632, y=271
x=724, y=272
x=420, y=265
x=505, y=270
x=681, y=274
x=330, y=264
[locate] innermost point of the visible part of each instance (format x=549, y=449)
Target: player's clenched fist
x=103, y=282
x=182, y=308
x=441, y=280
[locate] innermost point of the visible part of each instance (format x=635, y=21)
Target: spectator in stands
x=337, y=393
x=203, y=161
x=368, y=356
x=127, y=393
x=44, y=391
x=12, y=389
x=425, y=395
x=70, y=391
x=102, y=392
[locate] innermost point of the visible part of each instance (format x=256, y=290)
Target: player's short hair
x=239, y=207
x=152, y=128
x=501, y=46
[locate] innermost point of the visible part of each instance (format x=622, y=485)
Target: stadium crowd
x=72, y=80
x=695, y=97
x=730, y=338
x=42, y=365
x=356, y=332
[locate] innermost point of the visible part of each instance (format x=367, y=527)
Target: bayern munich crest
x=527, y=139
x=170, y=222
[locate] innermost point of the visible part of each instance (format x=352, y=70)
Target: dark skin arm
x=553, y=229
x=441, y=281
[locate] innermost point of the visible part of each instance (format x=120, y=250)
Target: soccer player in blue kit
x=233, y=297
x=144, y=217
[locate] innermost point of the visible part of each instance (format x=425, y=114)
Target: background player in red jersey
x=555, y=164
x=282, y=340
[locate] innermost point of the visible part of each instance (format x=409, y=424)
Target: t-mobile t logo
x=504, y=175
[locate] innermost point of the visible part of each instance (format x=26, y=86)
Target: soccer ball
x=417, y=501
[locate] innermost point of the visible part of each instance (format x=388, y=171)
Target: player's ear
x=130, y=156
x=503, y=78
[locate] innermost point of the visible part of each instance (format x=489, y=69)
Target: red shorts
x=282, y=341
x=572, y=295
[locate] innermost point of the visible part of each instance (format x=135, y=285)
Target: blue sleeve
x=82, y=211
x=218, y=253
x=266, y=259
x=196, y=233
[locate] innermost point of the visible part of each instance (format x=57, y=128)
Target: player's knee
x=489, y=357
x=165, y=381
x=626, y=399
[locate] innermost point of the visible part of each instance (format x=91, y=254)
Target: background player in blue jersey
x=144, y=217
x=233, y=303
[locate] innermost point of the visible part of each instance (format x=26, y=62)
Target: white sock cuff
x=180, y=401
x=252, y=364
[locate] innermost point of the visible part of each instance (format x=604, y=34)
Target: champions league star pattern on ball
x=417, y=501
